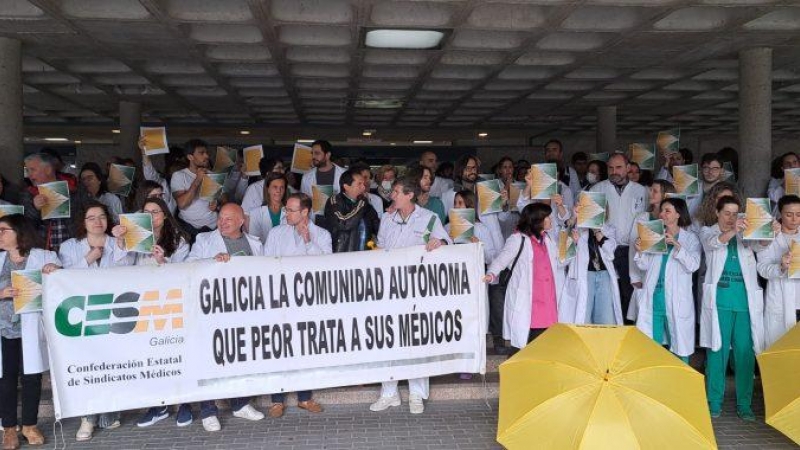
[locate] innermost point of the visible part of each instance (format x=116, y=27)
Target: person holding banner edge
x=21, y=354
x=94, y=247
x=226, y=241
x=409, y=225
x=313, y=241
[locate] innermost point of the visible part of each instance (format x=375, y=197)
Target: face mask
x=591, y=178
x=386, y=185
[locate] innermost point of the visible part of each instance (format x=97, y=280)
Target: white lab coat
x=253, y=196
x=73, y=254
x=572, y=307
x=716, y=254
x=678, y=292
x=210, y=244
x=260, y=222
x=377, y=203
x=781, y=299
x=178, y=256
x=310, y=179
x=150, y=173
x=517, y=313
x=113, y=203
x=34, y=344
x=440, y=186
x=283, y=240
x=559, y=221
x=396, y=233
x=623, y=209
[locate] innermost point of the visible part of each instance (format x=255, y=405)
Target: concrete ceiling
x=535, y=65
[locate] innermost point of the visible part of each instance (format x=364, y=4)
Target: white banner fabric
x=135, y=337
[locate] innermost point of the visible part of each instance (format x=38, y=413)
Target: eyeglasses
x=96, y=218
x=5, y=230
x=152, y=211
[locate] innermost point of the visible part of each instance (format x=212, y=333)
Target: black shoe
x=503, y=350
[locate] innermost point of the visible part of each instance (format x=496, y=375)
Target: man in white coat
x=226, y=241
x=782, y=301
x=407, y=226
x=324, y=172
x=625, y=199
x=554, y=153
x=298, y=237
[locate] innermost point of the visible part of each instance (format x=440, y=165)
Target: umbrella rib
x=518, y=422
x=657, y=403
x=605, y=386
x=547, y=361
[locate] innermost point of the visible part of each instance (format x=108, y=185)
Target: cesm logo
x=129, y=312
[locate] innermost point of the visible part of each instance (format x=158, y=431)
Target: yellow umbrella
x=780, y=377
x=593, y=387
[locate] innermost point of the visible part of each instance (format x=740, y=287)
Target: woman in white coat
x=23, y=353
x=783, y=293
x=537, y=280
x=666, y=306
x=732, y=309
x=656, y=193
x=466, y=199
x=272, y=213
x=93, y=247
x=591, y=291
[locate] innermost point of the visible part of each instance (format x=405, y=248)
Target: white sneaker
x=249, y=413
x=211, y=424
x=384, y=403
x=415, y=404
x=85, y=431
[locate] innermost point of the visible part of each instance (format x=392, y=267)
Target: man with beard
x=349, y=217
x=440, y=185
x=624, y=199
x=554, y=153
x=195, y=214
x=324, y=172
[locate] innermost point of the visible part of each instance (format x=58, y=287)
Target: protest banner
x=141, y=336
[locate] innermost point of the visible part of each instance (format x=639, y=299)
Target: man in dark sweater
x=349, y=217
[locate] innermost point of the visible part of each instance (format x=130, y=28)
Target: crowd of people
x=709, y=276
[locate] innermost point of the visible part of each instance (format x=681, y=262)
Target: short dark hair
x=273, y=176
x=325, y=146
x=684, y=219
x=787, y=200
x=688, y=157
x=193, y=144
x=579, y=156
x=347, y=178
x=409, y=184
x=601, y=166
x=710, y=157
x=80, y=219
x=360, y=168
x=27, y=236
x=531, y=219
x=145, y=188
x=304, y=199
x=728, y=200
x=555, y=141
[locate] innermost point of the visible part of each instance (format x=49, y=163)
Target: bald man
x=440, y=185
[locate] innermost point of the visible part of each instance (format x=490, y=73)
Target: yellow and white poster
x=155, y=140
x=301, y=158
x=252, y=156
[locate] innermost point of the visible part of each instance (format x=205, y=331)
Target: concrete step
x=446, y=387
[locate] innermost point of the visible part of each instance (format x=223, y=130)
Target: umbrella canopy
x=780, y=378
x=597, y=387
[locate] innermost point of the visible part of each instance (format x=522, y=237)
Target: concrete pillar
x=11, y=151
x=606, y=129
x=755, y=120
x=130, y=119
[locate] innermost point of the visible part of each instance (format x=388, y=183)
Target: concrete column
x=130, y=119
x=11, y=151
x=755, y=120
x=606, y=129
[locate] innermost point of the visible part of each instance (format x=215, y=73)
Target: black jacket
x=342, y=217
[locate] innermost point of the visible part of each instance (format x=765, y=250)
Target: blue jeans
x=302, y=396
x=208, y=408
x=599, y=301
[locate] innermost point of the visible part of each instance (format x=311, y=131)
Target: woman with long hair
x=537, y=279
x=271, y=213
x=732, y=316
x=424, y=176
x=666, y=304
x=94, y=247
x=23, y=364
x=93, y=187
x=706, y=215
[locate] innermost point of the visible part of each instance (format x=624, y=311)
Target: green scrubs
x=660, y=322
x=734, y=328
